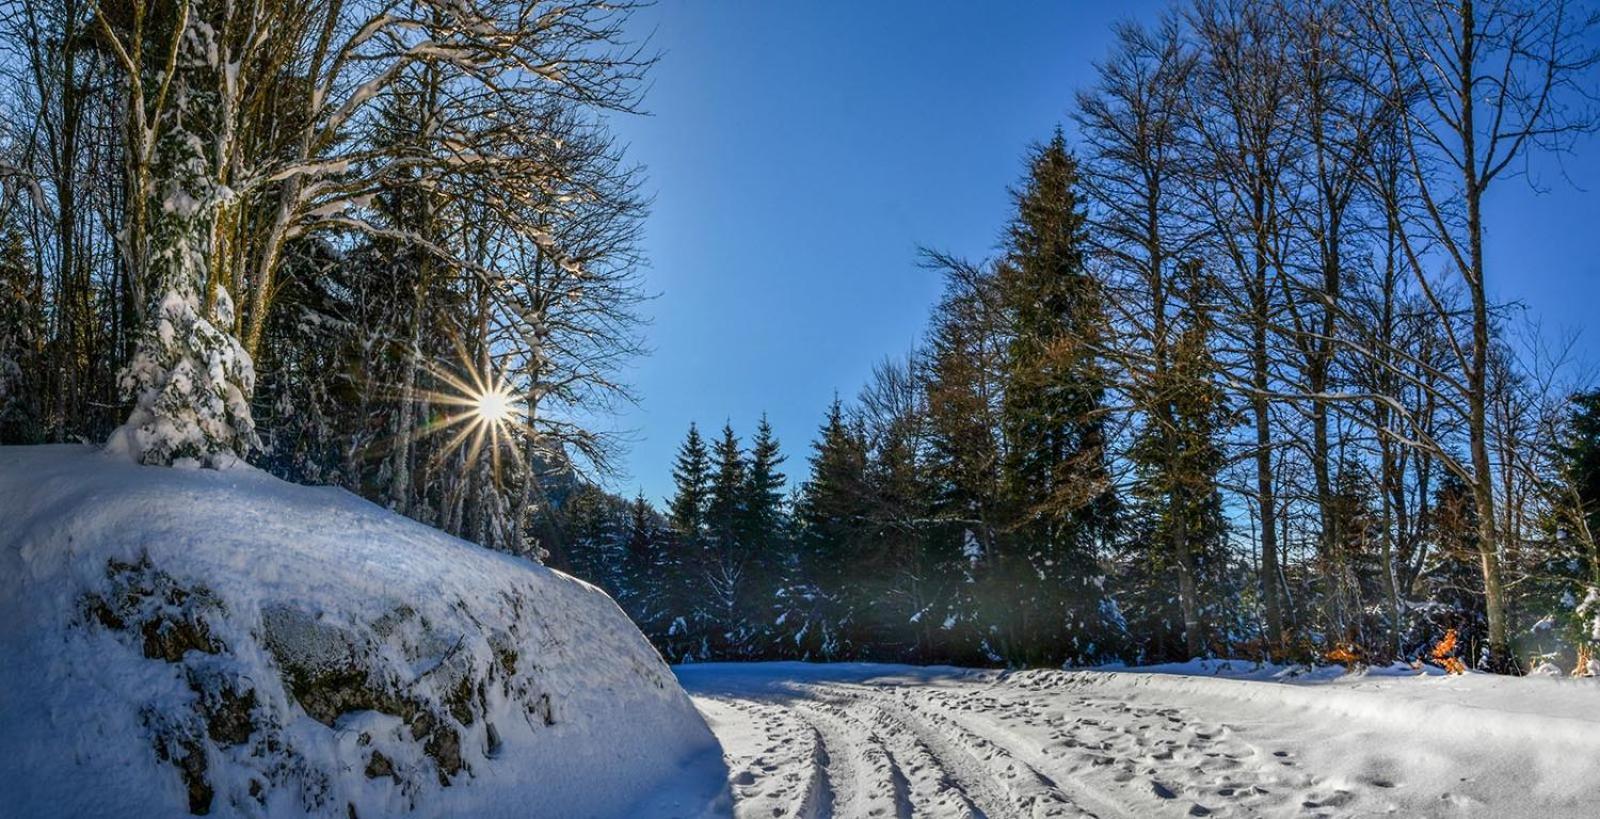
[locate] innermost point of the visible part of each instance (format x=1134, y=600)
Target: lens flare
x=478, y=410
x=494, y=406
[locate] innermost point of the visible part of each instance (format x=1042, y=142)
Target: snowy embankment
x=193, y=640
x=854, y=740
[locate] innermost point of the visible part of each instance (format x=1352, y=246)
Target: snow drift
x=199, y=641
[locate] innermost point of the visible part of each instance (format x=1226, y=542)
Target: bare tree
x=1479, y=85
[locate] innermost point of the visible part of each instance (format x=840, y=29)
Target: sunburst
x=480, y=412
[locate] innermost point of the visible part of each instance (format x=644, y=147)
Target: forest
x=1237, y=381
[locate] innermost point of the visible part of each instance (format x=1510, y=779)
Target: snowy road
x=864, y=741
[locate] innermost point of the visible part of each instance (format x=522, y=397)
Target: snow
x=139, y=604
x=1221, y=739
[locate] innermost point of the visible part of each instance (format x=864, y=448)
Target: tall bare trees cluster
x=1326, y=165
x=309, y=232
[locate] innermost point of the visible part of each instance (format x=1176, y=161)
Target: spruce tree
x=725, y=507
x=1054, y=477
x=691, y=475
x=960, y=377
x=1177, y=458
x=727, y=558
x=764, y=532
x=189, y=379
x=832, y=511
x=645, y=570
x=763, y=494
x=21, y=331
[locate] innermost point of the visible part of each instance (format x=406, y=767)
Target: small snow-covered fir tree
x=190, y=379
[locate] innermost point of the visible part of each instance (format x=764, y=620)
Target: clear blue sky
x=799, y=153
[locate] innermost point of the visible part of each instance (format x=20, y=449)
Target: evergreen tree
x=21, y=329
x=725, y=508
x=1177, y=459
x=646, y=570
x=691, y=475
x=1054, y=478
x=961, y=378
x=764, y=532
x=832, y=512
x=763, y=492
x=728, y=558
x=190, y=378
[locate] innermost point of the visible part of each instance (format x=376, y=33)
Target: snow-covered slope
x=848, y=740
x=227, y=642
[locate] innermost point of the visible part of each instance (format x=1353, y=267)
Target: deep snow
x=853, y=740
x=148, y=616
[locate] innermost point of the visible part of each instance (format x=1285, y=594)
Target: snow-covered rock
x=224, y=642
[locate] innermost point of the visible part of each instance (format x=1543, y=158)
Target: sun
x=481, y=413
x=494, y=406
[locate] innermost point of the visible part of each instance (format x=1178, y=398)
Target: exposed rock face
x=437, y=685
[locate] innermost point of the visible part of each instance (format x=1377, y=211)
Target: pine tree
x=763, y=493
x=728, y=559
x=691, y=474
x=645, y=570
x=1054, y=478
x=832, y=512
x=961, y=380
x=21, y=329
x=693, y=621
x=764, y=532
x=725, y=509
x=190, y=379
x=1177, y=459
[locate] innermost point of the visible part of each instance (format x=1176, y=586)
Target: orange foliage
x=1346, y=655
x=1443, y=654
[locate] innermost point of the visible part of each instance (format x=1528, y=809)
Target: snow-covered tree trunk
x=189, y=377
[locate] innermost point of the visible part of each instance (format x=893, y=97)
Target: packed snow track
x=890, y=741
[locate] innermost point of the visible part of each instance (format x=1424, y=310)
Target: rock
x=379, y=765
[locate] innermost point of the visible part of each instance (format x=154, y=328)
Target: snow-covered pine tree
x=691, y=476
x=690, y=627
x=763, y=529
x=647, y=570
x=728, y=558
x=190, y=379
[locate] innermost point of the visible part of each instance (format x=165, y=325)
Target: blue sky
x=800, y=153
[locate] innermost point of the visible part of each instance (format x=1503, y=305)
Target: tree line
x=1233, y=385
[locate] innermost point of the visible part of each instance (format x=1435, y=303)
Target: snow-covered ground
x=176, y=640
x=853, y=740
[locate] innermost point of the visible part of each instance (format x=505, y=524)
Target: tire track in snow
x=999, y=783
x=866, y=780
x=931, y=788
x=989, y=724
x=786, y=776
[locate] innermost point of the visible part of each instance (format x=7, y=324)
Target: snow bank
x=192, y=640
